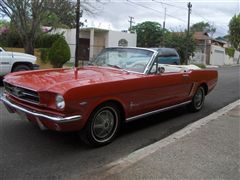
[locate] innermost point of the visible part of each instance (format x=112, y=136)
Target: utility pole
x=131, y=22
x=77, y=32
x=189, y=5
x=164, y=24
x=164, y=21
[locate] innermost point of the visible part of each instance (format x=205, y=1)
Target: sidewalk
x=210, y=151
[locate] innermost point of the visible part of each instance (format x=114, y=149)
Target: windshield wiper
x=114, y=66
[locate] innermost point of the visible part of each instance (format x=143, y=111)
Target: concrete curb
x=121, y=164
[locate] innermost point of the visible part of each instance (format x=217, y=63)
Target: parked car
x=168, y=56
x=14, y=61
x=94, y=100
x=165, y=56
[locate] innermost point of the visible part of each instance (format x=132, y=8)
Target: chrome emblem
x=17, y=92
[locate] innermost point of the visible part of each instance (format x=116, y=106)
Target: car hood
x=18, y=54
x=61, y=80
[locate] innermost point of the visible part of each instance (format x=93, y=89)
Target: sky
x=114, y=14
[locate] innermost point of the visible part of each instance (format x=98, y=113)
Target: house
x=209, y=51
x=93, y=40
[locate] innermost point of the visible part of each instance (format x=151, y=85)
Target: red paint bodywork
x=86, y=88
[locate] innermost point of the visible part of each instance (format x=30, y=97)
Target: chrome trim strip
x=31, y=102
x=156, y=111
x=20, y=86
x=57, y=119
x=28, y=94
x=28, y=89
x=192, y=90
x=150, y=63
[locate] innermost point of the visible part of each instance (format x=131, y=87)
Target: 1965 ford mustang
x=119, y=85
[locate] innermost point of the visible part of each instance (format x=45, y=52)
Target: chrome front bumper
x=56, y=119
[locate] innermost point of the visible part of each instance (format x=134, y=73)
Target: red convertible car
x=119, y=85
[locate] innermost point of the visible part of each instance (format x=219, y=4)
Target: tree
x=28, y=16
x=4, y=23
x=234, y=31
x=203, y=27
x=59, y=53
x=149, y=34
x=4, y=29
x=178, y=41
x=8, y=35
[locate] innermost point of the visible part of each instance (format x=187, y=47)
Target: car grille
x=22, y=93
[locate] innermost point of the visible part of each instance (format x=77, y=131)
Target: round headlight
x=60, y=103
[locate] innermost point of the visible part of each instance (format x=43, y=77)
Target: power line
x=219, y=27
x=194, y=13
x=155, y=10
x=198, y=15
x=179, y=7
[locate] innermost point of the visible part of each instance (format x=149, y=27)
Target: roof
x=95, y=29
x=204, y=36
x=201, y=36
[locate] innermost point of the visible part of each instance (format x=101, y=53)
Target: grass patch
x=202, y=66
x=68, y=64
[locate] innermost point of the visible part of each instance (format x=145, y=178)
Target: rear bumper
x=56, y=119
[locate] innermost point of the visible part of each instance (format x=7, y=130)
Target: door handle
x=185, y=76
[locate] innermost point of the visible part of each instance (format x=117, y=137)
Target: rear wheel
x=21, y=67
x=198, y=100
x=102, y=126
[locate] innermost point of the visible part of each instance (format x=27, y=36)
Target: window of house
x=123, y=42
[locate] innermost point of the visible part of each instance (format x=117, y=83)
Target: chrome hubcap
x=198, y=99
x=104, y=124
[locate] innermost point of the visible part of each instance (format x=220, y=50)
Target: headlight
x=60, y=103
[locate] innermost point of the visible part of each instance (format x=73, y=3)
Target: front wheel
x=21, y=67
x=197, y=100
x=102, y=126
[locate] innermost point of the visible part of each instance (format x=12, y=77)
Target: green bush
x=44, y=54
x=202, y=66
x=59, y=53
x=230, y=52
x=46, y=40
x=11, y=39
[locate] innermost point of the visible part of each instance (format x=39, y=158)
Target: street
x=28, y=153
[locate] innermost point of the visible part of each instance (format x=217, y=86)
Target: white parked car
x=14, y=61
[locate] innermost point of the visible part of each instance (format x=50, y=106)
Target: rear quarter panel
x=208, y=77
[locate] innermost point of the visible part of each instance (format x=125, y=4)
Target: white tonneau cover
x=179, y=68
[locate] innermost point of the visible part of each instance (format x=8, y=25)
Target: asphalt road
x=28, y=153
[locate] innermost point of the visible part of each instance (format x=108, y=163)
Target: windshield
x=124, y=58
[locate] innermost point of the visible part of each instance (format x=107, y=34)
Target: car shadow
x=152, y=120
x=156, y=127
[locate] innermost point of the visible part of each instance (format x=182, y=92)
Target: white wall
x=198, y=58
x=114, y=37
x=217, y=55
x=236, y=58
x=84, y=34
x=111, y=39
x=228, y=60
